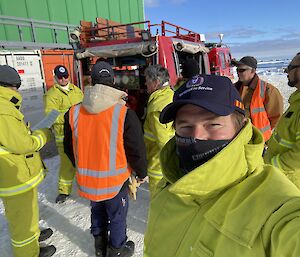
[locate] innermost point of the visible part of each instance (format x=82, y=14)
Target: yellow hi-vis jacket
x=21, y=167
x=156, y=134
x=231, y=206
x=284, y=145
x=61, y=100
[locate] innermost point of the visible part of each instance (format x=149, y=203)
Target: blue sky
x=265, y=28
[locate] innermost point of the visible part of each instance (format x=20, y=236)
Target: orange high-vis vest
x=99, y=152
x=258, y=114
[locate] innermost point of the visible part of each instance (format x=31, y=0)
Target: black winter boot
x=126, y=251
x=61, y=198
x=47, y=251
x=101, y=244
x=45, y=234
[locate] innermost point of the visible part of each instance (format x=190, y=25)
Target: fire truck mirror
x=152, y=48
x=179, y=46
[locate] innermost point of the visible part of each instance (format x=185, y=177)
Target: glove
x=133, y=185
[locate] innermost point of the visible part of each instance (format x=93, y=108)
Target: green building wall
x=66, y=12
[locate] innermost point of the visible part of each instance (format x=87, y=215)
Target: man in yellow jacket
x=217, y=197
x=284, y=146
x=61, y=97
x=21, y=169
x=156, y=135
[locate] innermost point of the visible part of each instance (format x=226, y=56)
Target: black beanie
x=190, y=68
x=102, y=73
x=9, y=76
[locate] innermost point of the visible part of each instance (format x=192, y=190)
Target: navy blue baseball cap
x=61, y=71
x=214, y=93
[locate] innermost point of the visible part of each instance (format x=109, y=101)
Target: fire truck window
x=129, y=72
x=129, y=76
x=223, y=62
x=182, y=56
x=228, y=58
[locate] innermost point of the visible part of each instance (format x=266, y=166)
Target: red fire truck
x=130, y=50
x=220, y=59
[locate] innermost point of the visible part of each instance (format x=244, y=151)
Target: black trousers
x=110, y=216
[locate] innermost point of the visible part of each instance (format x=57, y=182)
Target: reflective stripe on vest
x=93, y=193
x=75, y=124
x=25, y=242
x=259, y=116
x=265, y=129
x=257, y=110
x=262, y=89
x=15, y=190
x=102, y=174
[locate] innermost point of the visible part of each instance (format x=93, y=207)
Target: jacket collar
x=60, y=88
x=159, y=99
x=158, y=92
x=252, y=84
x=294, y=97
x=226, y=178
x=100, y=97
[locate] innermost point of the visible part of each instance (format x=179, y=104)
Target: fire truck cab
x=220, y=59
x=130, y=50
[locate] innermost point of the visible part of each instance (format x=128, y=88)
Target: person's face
x=245, y=73
x=151, y=85
x=293, y=73
x=197, y=122
x=62, y=80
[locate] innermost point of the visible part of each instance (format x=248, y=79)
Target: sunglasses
x=62, y=76
x=290, y=67
x=241, y=70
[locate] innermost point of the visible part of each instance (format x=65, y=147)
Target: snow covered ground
x=71, y=220
x=273, y=72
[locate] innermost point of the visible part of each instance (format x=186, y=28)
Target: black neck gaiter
x=194, y=152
